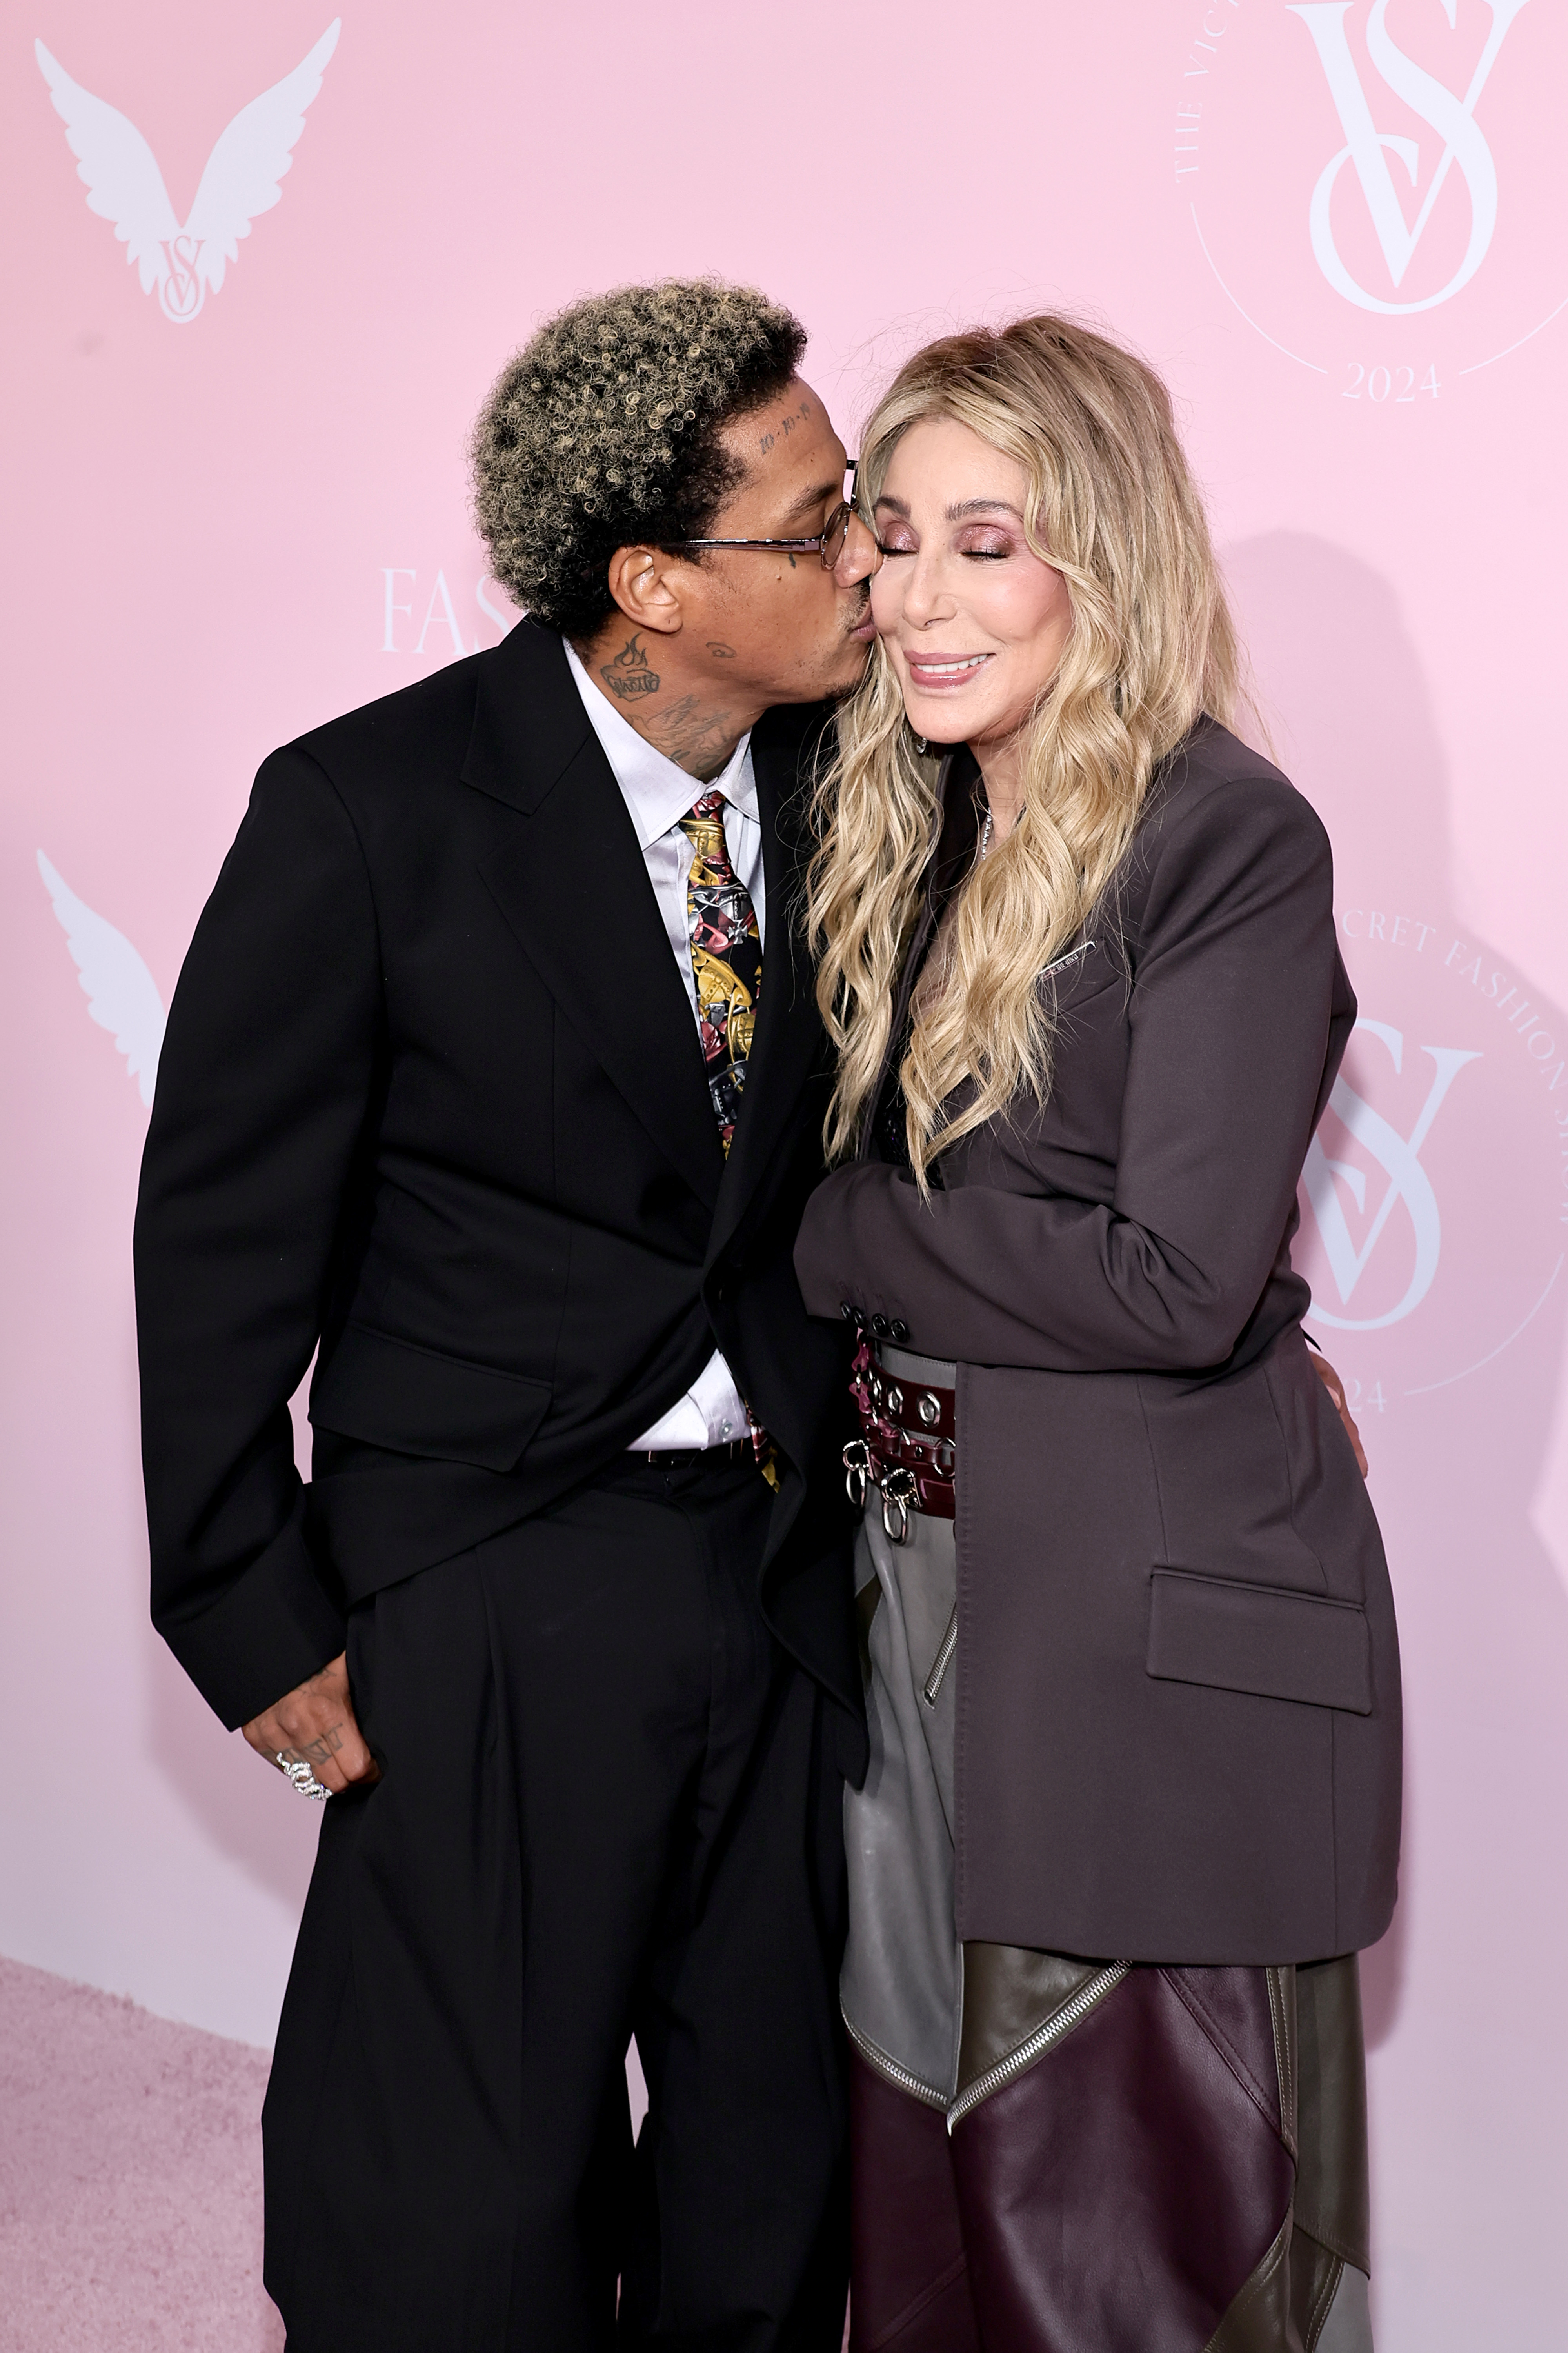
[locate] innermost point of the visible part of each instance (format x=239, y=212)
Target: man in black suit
x=494, y=1077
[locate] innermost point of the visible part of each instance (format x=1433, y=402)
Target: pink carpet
x=130, y=2178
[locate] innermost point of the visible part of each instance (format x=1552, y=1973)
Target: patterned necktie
x=726, y=959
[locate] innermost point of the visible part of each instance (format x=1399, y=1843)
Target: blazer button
x=898, y=1329
x=881, y=1327
x=846, y=1308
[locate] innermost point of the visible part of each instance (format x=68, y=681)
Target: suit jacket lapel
x=789, y=1037
x=570, y=880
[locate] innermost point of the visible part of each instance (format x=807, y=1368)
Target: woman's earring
x=922, y=746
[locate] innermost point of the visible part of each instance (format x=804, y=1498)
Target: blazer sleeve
x=264, y=1085
x=1230, y=1016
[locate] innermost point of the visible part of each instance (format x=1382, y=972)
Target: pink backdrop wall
x=1339, y=229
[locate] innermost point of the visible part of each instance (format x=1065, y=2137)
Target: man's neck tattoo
x=700, y=741
x=692, y=733
x=630, y=676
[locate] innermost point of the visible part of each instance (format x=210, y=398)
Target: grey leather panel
x=901, y=1981
x=1348, y=2328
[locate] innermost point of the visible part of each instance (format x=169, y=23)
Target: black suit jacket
x=432, y=1097
x=1178, y=1700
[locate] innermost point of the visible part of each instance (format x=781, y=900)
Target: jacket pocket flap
x=1268, y=1640
x=414, y=1400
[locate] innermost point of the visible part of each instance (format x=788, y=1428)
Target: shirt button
x=880, y=1326
x=898, y=1329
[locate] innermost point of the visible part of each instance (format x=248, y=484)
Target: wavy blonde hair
x=1112, y=505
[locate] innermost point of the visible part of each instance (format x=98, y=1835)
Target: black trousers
x=609, y=1804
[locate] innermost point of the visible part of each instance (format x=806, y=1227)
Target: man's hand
x=315, y=1725
x=1336, y=1389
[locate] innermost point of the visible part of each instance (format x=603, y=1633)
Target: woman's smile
x=940, y=673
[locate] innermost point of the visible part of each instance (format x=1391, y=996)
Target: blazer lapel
x=570, y=880
x=789, y=1037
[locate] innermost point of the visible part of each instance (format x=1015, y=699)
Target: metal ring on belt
x=906, y=1447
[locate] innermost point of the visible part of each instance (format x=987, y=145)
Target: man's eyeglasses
x=829, y=541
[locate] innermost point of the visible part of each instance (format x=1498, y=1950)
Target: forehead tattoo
x=783, y=427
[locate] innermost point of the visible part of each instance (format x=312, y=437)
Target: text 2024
x=1379, y=384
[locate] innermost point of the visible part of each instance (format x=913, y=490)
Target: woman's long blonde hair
x=1113, y=507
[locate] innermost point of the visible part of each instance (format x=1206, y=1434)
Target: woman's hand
x=1336, y=1389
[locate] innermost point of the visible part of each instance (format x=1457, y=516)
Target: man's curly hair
x=604, y=431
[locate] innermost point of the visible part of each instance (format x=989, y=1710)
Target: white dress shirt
x=657, y=795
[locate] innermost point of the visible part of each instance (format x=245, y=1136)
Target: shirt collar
x=657, y=793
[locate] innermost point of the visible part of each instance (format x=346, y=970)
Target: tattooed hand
x=315, y=1725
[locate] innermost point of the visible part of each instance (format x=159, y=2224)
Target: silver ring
x=304, y=1780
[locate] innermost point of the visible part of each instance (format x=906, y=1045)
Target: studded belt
x=906, y=1447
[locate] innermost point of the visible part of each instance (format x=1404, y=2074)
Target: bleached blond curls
x=1113, y=507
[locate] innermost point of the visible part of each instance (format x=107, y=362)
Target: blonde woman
x=1133, y=1676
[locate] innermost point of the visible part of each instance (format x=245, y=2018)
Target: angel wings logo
x=242, y=178
x=122, y=993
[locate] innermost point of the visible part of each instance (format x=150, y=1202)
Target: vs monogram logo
x=1369, y=183
x=1432, y=1211
x=1452, y=118
x=1399, y=1157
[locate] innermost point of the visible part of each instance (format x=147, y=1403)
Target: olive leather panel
x=1008, y=1994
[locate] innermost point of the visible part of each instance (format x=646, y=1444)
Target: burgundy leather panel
x=909, y=2280
x=1234, y=2005
x=1120, y=2192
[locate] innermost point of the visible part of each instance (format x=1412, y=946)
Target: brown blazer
x=1178, y=1733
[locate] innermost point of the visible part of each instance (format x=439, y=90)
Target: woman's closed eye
x=989, y=550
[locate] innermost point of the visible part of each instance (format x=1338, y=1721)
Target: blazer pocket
x=414, y=1400
x=1263, y=1638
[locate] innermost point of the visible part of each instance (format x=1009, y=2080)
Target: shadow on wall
x=1483, y=1610
x=1342, y=691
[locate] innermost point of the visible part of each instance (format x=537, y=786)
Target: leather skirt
x=1062, y=2154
